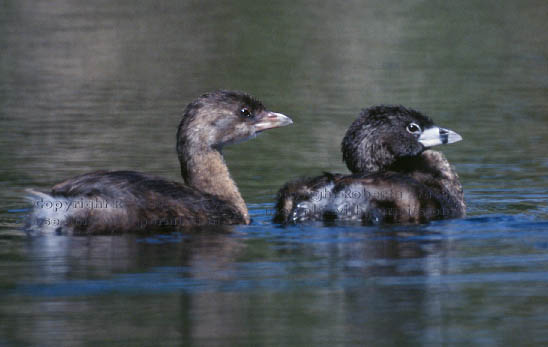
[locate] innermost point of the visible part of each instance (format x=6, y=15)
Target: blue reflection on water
x=434, y=259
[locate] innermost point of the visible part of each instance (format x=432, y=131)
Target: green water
x=101, y=85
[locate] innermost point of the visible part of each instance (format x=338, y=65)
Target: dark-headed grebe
x=395, y=177
x=122, y=201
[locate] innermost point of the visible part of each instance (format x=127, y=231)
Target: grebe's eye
x=414, y=128
x=245, y=112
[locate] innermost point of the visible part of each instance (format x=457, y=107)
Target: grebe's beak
x=270, y=120
x=434, y=136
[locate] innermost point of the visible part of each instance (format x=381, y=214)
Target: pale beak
x=438, y=136
x=271, y=120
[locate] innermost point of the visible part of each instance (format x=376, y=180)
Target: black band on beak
x=434, y=136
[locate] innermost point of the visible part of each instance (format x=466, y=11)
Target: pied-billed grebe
x=122, y=201
x=395, y=177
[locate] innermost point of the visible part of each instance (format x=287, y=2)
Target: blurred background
x=101, y=85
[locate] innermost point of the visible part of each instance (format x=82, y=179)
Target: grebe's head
x=223, y=117
x=384, y=134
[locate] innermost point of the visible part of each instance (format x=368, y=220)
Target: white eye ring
x=414, y=128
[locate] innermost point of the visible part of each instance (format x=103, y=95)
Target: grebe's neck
x=204, y=168
x=432, y=169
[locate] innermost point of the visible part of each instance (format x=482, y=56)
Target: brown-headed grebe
x=395, y=177
x=122, y=201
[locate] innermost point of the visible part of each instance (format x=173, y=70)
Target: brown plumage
x=396, y=177
x=122, y=201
